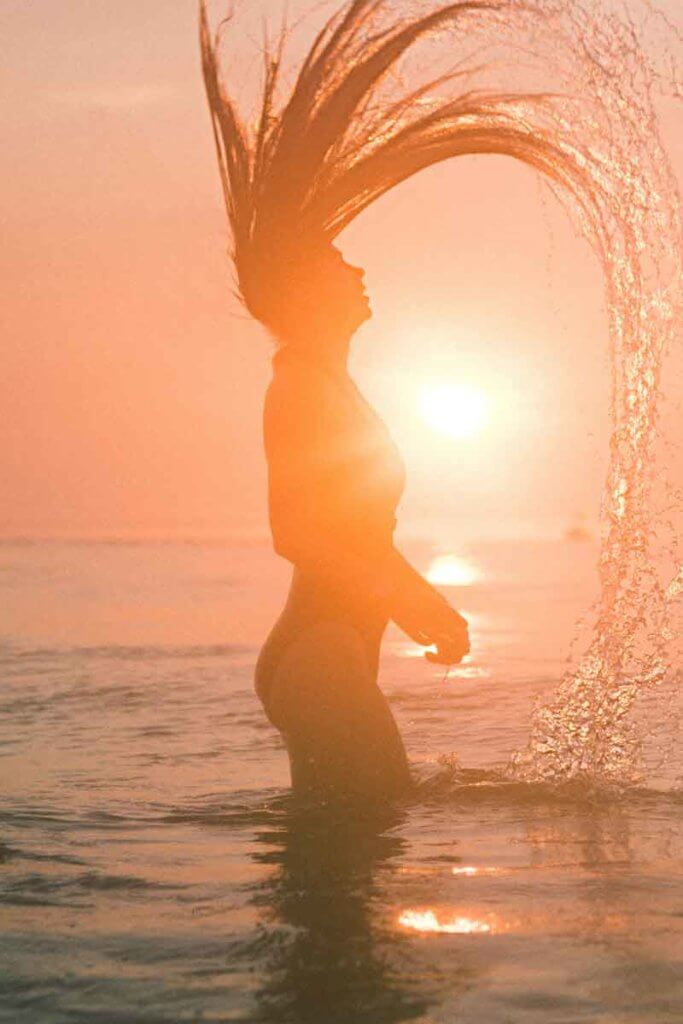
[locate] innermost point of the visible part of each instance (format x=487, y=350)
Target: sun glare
x=458, y=411
x=427, y=921
x=450, y=570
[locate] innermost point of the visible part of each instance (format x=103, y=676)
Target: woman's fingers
x=437, y=659
x=441, y=658
x=450, y=651
x=445, y=628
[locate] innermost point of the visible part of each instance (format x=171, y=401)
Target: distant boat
x=578, y=532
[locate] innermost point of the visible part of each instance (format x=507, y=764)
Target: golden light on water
x=569, y=918
x=470, y=871
x=458, y=411
x=453, y=571
x=427, y=921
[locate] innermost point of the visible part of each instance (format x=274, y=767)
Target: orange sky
x=132, y=381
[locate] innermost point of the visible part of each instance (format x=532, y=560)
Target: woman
x=335, y=479
x=292, y=182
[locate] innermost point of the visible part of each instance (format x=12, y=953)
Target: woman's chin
x=362, y=315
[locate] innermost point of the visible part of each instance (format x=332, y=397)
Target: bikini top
x=334, y=472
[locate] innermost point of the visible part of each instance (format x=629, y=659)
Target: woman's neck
x=323, y=353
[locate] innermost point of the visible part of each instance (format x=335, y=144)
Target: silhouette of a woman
x=292, y=181
x=335, y=478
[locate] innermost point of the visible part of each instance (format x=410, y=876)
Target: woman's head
x=306, y=295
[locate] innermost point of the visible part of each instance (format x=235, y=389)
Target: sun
x=456, y=410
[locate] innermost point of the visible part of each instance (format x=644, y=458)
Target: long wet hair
x=313, y=161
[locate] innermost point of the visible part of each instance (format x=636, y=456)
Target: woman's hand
x=450, y=635
x=429, y=619
x=448, y=653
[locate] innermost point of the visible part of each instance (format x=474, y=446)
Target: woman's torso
x=366, y=478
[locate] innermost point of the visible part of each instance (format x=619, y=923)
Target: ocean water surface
x=154, y=869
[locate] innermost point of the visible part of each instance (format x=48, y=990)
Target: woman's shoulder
x=300, y=406
x=299, y=383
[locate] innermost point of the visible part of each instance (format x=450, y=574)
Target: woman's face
x=342, y=287
x=328, y=302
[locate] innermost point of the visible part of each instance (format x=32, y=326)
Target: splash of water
x=589, y=728
x=607, y=68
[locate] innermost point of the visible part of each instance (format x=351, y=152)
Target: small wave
x=59, y=820
x=446, y=780
x=69, y=890
x=121, y=652
x=8, y=853
x=250, y=809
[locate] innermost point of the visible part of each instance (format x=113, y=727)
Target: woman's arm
x=421, y=611
x=306, y=501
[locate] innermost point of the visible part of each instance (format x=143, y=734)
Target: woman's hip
x=323, y=697
x=321, y=661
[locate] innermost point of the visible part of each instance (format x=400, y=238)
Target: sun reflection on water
x=453, y=571
x=427, y=921
x=470, y=871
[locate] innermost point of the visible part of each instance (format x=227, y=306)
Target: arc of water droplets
x=599, y=67
x=586, y=729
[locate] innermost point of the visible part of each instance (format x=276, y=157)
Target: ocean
x=153, y=867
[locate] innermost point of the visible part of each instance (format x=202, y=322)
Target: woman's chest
x=361, y=450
